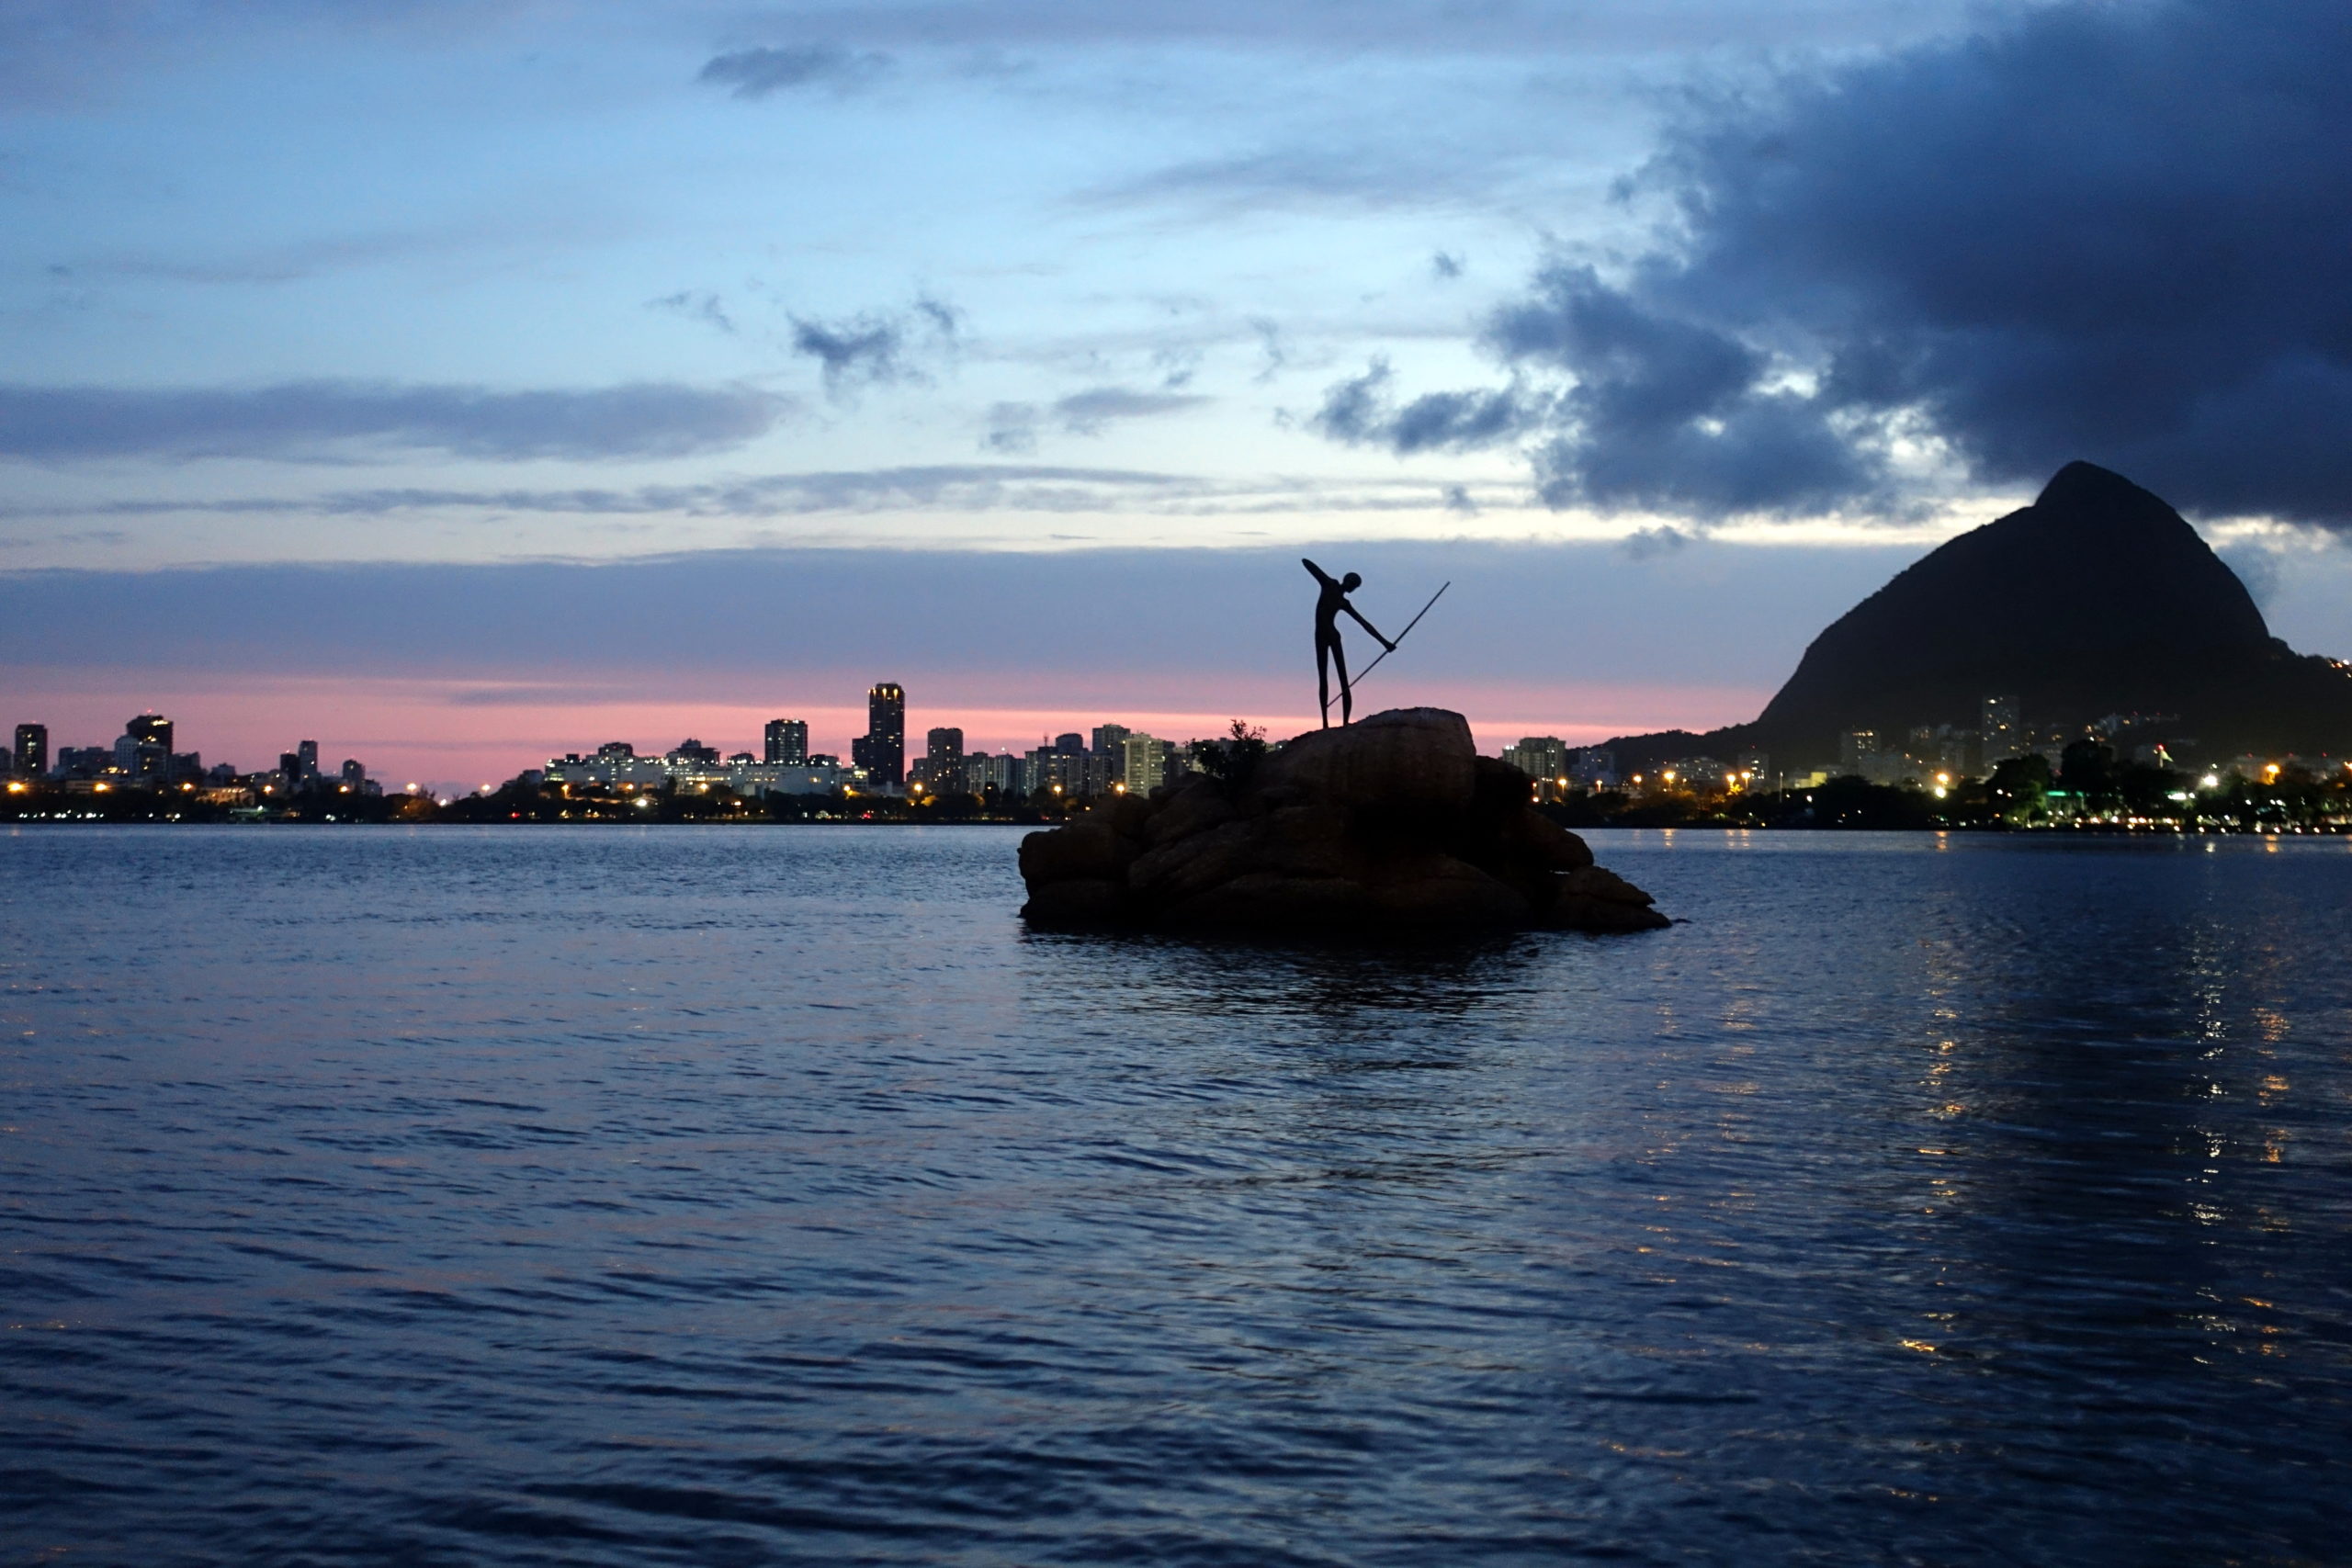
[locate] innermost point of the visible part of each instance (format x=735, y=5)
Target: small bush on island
x=1232, y=761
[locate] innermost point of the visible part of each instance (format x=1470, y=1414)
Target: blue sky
x=1664, y=301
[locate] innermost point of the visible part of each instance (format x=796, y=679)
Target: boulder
x=1083, y=850
x=1404, y=759
x=1084, y=901
x=1435, y=889
x=1191, y=865
x=1261, y=900
x=1394, y=823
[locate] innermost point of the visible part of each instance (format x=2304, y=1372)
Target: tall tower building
x=944, y=754
x=30, y=754
x=151, y=729
x=306, y=753
x=787, y=741
x=1143, y=762
x=2000, y=732
x=144, y=751
x=1110, y=741
x=882, y=750
x=1858, y=753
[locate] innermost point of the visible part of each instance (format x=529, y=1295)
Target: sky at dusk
x=456, y=382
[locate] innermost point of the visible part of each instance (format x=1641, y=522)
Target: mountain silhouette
x=2097, y=599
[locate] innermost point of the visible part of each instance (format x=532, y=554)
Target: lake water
x=770, y=1196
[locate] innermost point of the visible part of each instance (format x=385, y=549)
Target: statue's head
x=1351, y=582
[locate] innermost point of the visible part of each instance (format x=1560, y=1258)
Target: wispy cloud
x=877, y=348
x=696, y=305
x=1362, y=411
x=313, y=420
x=760, y=73
x=1088, y=413
x=956, y=487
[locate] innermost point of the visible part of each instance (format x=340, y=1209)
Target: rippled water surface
x=769, y=1196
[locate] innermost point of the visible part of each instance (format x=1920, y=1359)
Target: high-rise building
x=787, y=741
x=143, y=753
x=1144, y=763
x=2000, y=732
x=1108, y=740
x=1049, y=767
x=1543, y=758
x=1070, y=745
x=353, y=775
x=943, y=759
x=882, y=750
x=1858, y=753
x=1595, y=767
x=151, y=729
x=1008, y=774
x=306, y=753
x=30, y=754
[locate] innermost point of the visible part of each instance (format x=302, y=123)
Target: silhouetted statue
x=1327, y=651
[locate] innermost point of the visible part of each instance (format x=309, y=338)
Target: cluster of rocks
x=1393, y=822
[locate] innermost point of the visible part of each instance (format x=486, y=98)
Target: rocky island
x=1392, y=823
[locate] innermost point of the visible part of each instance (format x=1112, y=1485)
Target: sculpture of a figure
x=1327, y=651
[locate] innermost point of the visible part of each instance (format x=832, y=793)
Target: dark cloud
x=757, y=72
x=328, y=419
x=1670, y=414
x=2121, y=232
x=1446, y=265
x=1362, y=411
x=877, y=348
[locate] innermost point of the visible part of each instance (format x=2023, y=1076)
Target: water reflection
x=774, y=1197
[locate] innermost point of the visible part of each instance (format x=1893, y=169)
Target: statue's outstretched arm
x=1368, y=626
x=1320, y=575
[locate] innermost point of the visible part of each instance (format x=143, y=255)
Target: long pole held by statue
x=1400, y=637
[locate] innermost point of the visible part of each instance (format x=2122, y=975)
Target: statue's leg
x=1347, y=697
x=1323, y=679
